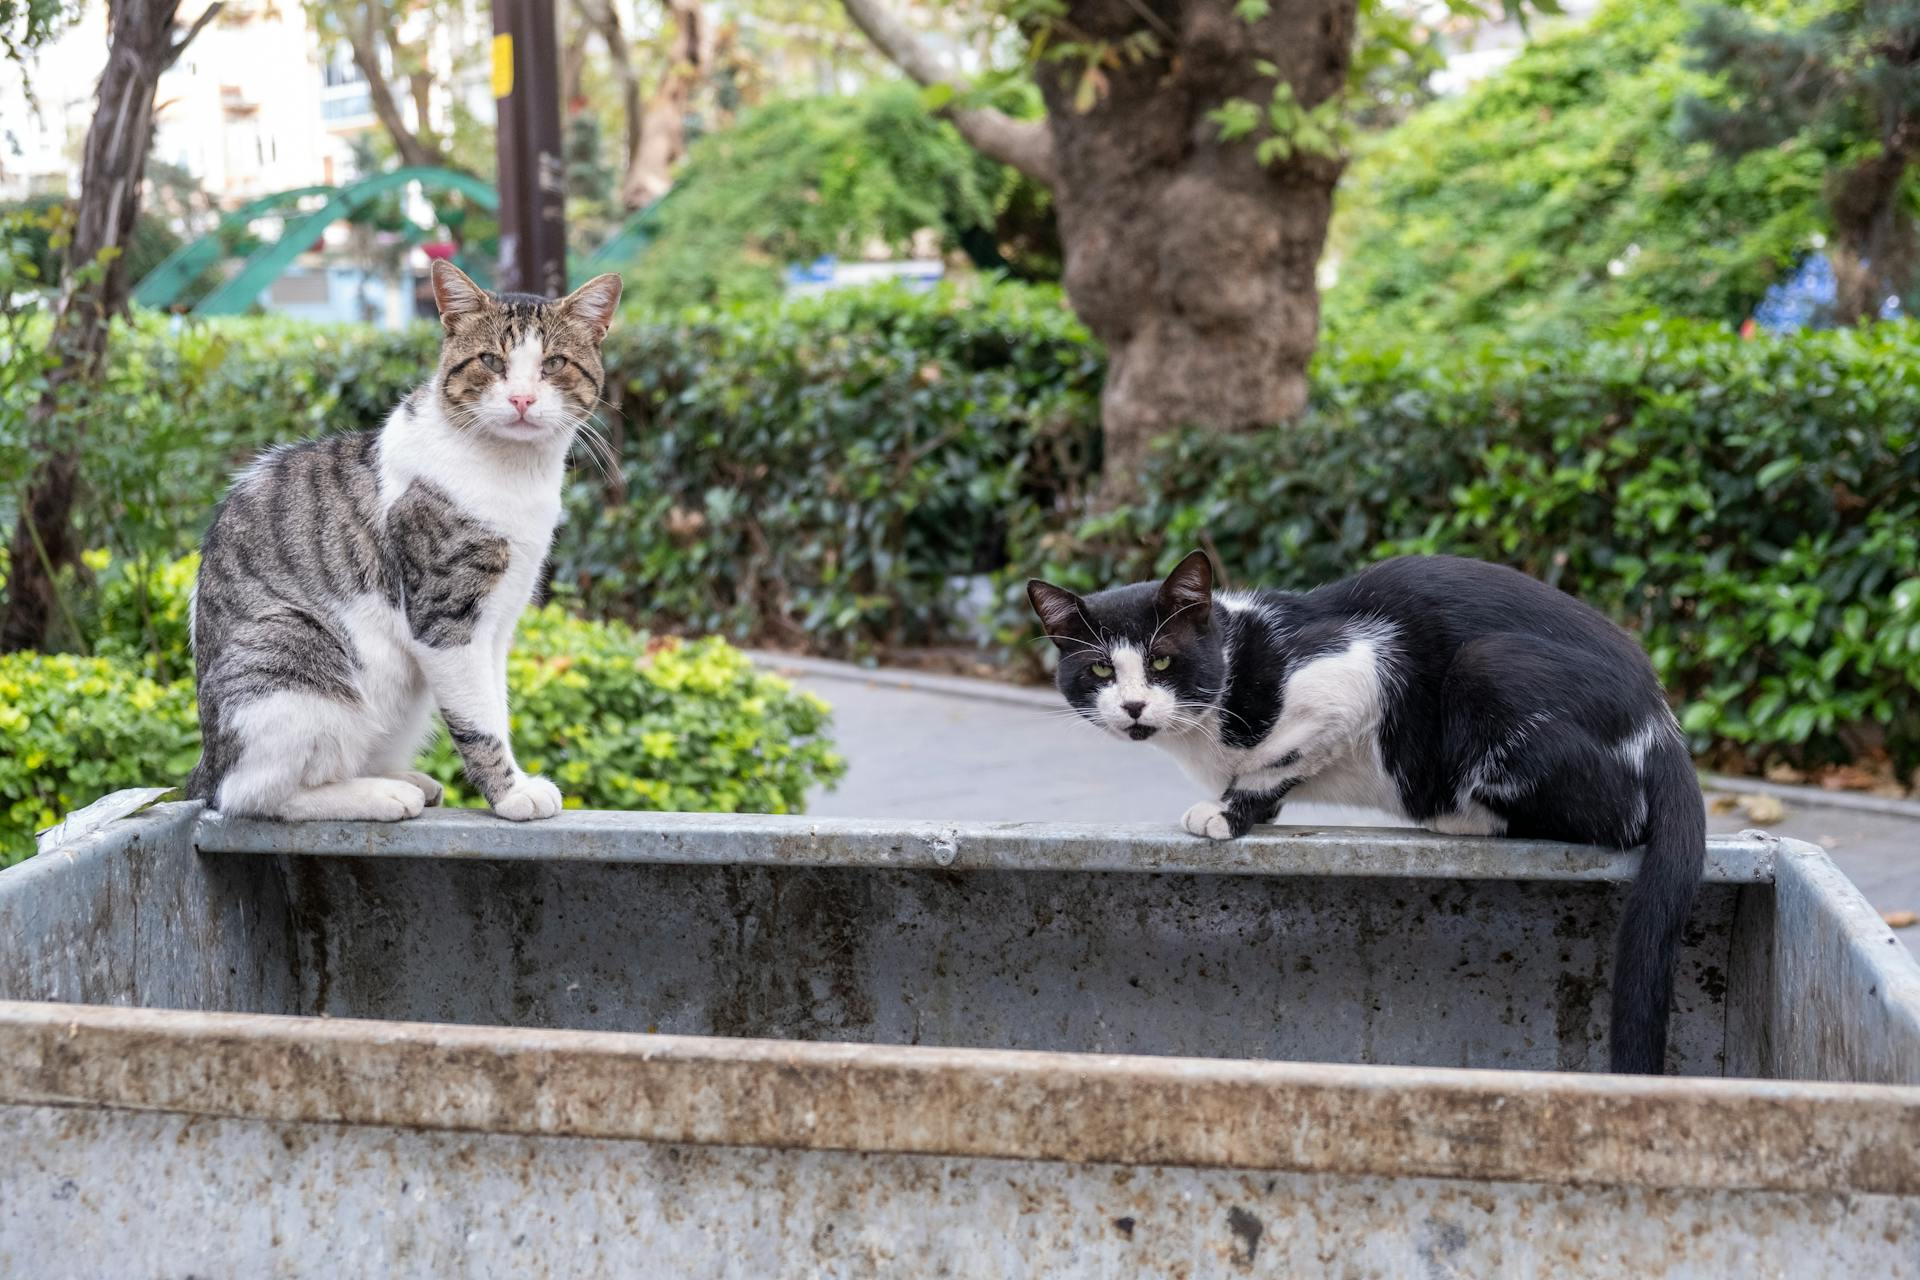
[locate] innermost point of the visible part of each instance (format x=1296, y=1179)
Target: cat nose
x=521, y=401
x=1133, y=708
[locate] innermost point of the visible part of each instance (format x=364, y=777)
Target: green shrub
x=143, y=612
x=802, y=177
x=622, y=721
x=1560, y=195
x=819, y=472
x=72, y=729
x=192, y=403
x=822, y=473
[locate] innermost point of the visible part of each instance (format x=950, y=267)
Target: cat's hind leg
x=1526, y=747
x=302, y=756
x=394, y=755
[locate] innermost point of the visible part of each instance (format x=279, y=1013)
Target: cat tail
x=1648, y=946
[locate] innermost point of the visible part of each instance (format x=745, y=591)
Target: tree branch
x=413, y=149
x=1025, y=144
x=180, y=46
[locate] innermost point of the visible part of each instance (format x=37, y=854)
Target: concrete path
x=945, y=748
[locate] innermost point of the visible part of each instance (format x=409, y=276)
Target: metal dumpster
x=627, y=1044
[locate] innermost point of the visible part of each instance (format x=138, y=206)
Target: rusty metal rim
x=1298, y=1117
x=762, y=839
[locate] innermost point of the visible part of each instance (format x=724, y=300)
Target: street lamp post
x=533, y=192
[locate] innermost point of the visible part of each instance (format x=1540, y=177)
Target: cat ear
x=594, y=302
x=456, y=295
x=1060, y=612
x=1188, y=591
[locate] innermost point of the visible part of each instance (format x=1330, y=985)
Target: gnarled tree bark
x=1874, y=246
x=605, y=21
x=662, y=136
x=1188, y=258
x=141, y=44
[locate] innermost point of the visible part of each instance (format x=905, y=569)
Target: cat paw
x=528, y=799
x=357, y=800
x=1209, y=819
x=430, y=788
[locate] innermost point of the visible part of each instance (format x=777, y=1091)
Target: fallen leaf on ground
x=1900, y=919
x=1723, y=803
x=1785, y=773
x=1763, y=809
x=1851, y=777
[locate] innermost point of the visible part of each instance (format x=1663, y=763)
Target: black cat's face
x=1141, y=659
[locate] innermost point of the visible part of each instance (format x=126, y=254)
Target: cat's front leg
x=1236, y=812
x=474, y=706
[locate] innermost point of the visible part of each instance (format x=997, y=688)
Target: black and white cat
x=1466, y=697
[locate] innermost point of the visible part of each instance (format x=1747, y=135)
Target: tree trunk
x=606, y=20
x=140, y=46
x=420, y=88
x=364, y=30
x=1874, y=249
x=574, y=30
x=663, y=124
x=1190, y=260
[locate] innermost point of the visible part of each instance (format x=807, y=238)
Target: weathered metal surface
x=300, y=1145
x=223, y=1199
x=763, y=839
x=1419, y=972
x=130, y=915
x=1124, y=1109
x=1846, y=994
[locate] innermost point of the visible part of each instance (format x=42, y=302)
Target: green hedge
x=818, y=473
x=72, y=729
x=826, y=472
x=620, y=720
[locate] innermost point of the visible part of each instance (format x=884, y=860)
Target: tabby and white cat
x=351, y=586
x=1463, y=696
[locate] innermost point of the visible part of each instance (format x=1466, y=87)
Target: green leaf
x=1235, y=118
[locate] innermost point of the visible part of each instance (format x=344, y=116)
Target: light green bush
x=73, y=729
x=619, y=720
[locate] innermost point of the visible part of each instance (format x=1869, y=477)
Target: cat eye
x=493, y=362
x=1102, y=670
x=554, y=364
x=1162, y=662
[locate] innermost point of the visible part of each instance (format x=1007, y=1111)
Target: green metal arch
x=160, y=286
x=237, y=295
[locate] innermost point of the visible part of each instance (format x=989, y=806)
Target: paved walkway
x=971, y=750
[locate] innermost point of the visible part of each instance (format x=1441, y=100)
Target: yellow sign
x=502, y=65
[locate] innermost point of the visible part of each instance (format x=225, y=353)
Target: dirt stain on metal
x=1247, y=1229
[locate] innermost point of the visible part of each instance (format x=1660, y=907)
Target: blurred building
x=257, y=103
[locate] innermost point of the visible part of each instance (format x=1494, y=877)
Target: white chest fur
x=1328, y=733
x=514, y=490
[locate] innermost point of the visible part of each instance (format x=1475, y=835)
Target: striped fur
x=351, y=586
